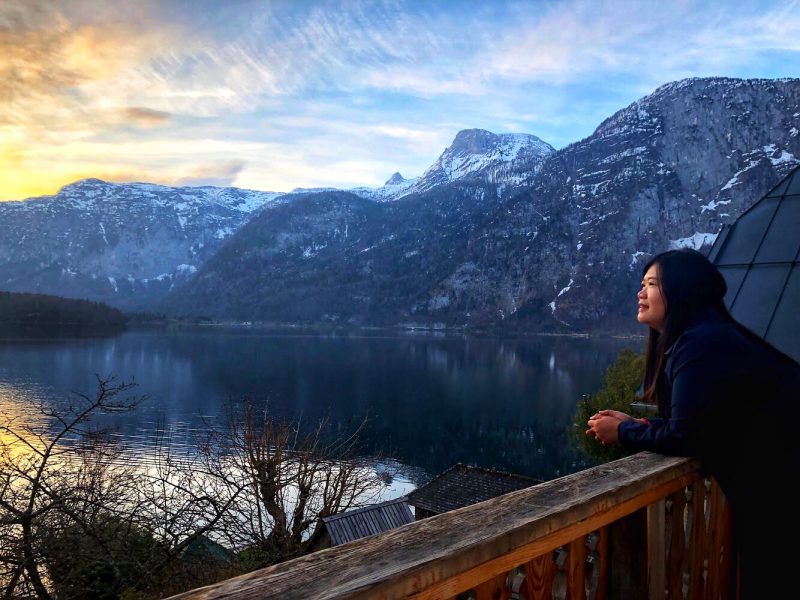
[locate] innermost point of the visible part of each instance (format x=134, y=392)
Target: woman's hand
x=612, y=413
x=604, y=425
x=604, y=428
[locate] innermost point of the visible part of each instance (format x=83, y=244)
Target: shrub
x=620, y=385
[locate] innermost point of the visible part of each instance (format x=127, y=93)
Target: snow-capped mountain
x=506, y=160
x=124, y=244
x=395, y=188
x=668, y=170
x=501, y=229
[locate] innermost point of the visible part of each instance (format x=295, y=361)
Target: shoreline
x=435, y=330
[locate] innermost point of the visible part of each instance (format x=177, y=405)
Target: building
x=462, y=485
x=758, y=256
x=362, y=522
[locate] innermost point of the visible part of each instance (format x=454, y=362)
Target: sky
x=273, y=95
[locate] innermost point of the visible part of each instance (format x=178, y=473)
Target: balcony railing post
x=627, y=550
x=576, y=569
x=656, y=550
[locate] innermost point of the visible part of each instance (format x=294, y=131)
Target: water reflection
x=432, y=401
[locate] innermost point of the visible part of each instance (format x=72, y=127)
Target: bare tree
x=81, y=518
x=294, y=479
x=184, y=499
x=51, y=472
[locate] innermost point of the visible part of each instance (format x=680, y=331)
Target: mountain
x=396, y=179
x=395, y=187
x=466, y=247
x=130, y=244
x=667, y=171
x=336, y=257
x=124, y=244
x=508, y=161
x=500, y=229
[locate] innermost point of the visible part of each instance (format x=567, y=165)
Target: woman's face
x=652, y=308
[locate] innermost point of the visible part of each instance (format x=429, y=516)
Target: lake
x=431, y=400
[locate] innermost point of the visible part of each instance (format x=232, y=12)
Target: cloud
x=63, y=68
x=652, y=41
x=58, y=56
x=424, y=82
x=219, y=174
x=286, y=94
x=144, y=117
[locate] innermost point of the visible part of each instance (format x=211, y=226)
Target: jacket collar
x=704, y=316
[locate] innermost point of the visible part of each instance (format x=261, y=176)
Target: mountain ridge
x=522, y=242
x=670, y=169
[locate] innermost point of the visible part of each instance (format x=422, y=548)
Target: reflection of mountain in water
x=432, y=402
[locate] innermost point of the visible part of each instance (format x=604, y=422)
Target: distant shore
x=434, y=329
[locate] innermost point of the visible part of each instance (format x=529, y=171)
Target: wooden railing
x=646, y=526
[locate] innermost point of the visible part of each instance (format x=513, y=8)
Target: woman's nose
x=640, y=293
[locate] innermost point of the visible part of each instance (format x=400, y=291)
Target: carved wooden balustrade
x=646, y=526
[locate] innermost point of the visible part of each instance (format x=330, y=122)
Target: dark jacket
x=733, y=403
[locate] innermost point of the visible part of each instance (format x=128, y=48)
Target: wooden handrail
x=464, y=549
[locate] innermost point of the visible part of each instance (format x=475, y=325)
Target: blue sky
x=275, y=95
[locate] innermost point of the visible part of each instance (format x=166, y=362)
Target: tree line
x=21, y=309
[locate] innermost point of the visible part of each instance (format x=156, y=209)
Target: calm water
x=432, y=401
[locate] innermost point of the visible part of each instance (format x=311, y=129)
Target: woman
x=727, y=397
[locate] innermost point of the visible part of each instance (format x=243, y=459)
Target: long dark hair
x=690, y=284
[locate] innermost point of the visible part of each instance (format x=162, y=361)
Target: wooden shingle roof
x=462, y=485
x=356, y=524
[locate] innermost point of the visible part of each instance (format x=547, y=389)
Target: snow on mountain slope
x=124, y=244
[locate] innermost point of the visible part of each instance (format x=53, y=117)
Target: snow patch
x=624, y=154
x=735, y=179
x=635, y=259
x=784, y=157
x=313, y=250
x=713, y=205
x=565, y=289
x=696, y=241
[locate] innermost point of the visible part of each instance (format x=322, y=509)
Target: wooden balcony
x=646, y=526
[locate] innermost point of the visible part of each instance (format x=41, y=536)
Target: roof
x=361, y=522
x=462, y=485
x=206, y=550
x=758, y=256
